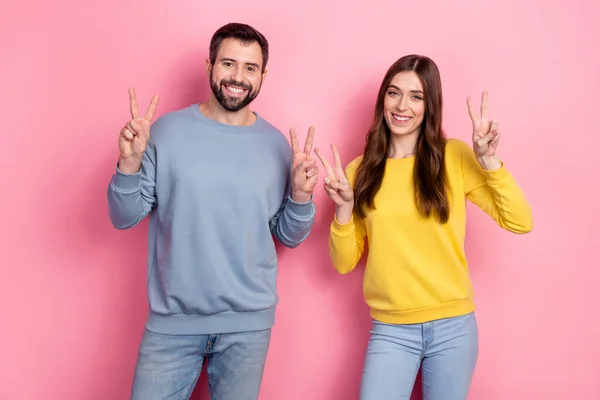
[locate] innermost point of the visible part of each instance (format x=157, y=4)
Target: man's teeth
x=234, y=89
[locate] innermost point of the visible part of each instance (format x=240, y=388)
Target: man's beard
x=231, y=103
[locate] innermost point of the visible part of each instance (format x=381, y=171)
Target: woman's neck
x=402, y=146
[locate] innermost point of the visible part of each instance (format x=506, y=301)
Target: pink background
x=73, y=288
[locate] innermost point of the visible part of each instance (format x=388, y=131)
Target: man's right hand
x=134, y=136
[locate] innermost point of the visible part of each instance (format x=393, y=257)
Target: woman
x=406, y=194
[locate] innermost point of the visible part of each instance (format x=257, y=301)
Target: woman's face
x=404, y=104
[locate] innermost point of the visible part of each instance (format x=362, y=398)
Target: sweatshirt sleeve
x=132, y=196
x=347, y=241
x=346, y=244
x=496, y=193
x=293, y=222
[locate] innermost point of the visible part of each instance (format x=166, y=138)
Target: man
x=218, y=182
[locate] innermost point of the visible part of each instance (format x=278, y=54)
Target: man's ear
x=264, y=75
x=208, y=66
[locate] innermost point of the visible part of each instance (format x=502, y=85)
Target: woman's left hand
x=485, y=135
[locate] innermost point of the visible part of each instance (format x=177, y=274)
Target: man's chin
x=237, y=106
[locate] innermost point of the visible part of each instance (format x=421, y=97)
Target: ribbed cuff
x=343, y=229
x=302, y=210
x=126, y=182
x=497, y=175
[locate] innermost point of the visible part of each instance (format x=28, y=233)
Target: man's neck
x=212, y=109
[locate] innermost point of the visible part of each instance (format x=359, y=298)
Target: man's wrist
x=129, y=166
x=301, y=196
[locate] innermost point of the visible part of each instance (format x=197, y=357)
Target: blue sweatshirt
x=216, y=195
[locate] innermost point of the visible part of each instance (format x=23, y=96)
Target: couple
x=218, y=182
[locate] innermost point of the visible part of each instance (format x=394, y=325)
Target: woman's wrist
x=343, y=213
x=489, y=163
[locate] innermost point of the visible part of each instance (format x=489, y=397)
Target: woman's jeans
x=447, y=349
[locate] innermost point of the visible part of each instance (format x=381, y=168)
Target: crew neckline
x=399, y=160
x=226, y=127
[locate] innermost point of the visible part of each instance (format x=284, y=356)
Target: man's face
x=236, y=76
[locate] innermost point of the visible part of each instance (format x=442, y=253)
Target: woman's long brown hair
x=430, y=179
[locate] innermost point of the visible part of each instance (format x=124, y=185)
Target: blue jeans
x=169, y=366
x=447, y=348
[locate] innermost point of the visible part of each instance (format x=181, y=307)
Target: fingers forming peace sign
x=134, y=136
x=336, y=184
x=305, y=173
x=485, y=132
x=133, y=106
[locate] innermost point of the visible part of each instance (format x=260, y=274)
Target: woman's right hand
x=337, y=186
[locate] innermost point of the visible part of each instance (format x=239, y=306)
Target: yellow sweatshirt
x=416, y=269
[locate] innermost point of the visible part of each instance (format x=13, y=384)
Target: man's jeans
x=169, y=366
